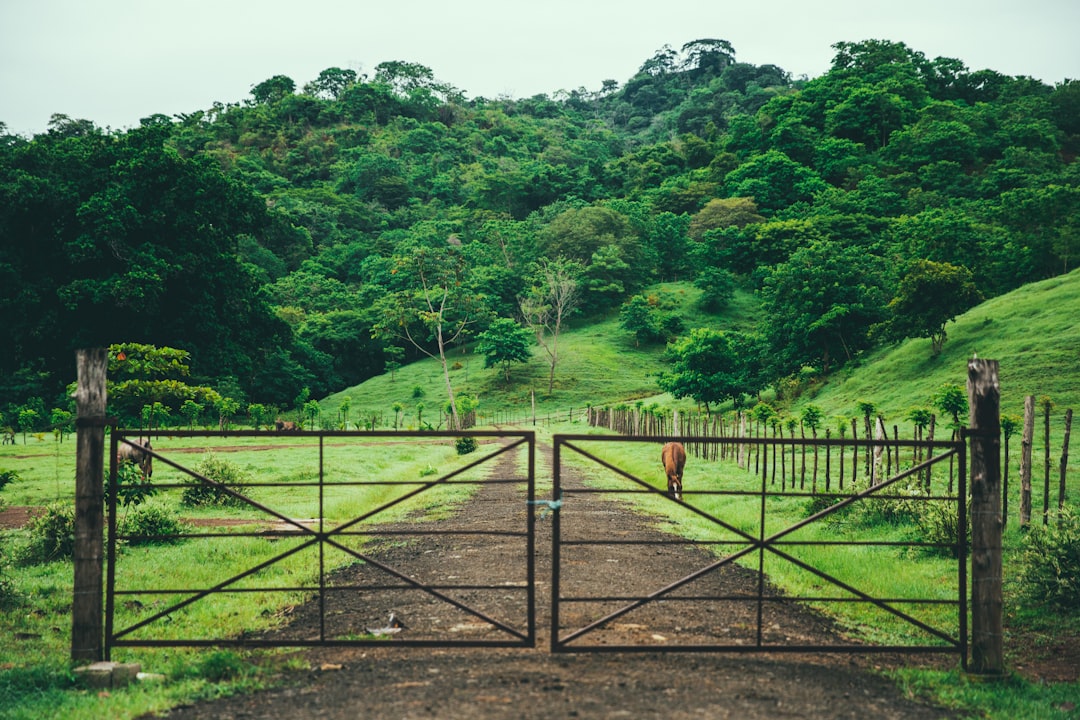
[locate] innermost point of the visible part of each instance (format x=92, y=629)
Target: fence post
x=87, y=636
x=984, y=401
x=1025, y=460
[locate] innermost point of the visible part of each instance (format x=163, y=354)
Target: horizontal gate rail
x=774, y=545
x=516, y=633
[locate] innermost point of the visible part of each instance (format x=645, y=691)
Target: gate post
x=87, y=636
x=984, y=421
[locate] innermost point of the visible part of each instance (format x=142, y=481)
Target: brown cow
x=673, y=456
x=285, y=426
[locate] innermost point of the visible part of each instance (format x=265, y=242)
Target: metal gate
x=733, y=562
x=348, y=547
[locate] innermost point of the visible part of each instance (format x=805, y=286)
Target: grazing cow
x=673, y=456
x=135, y=451
x=285, y=426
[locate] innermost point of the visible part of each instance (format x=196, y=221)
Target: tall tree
x=434, y=306
x=553, y=297
x=712, y=366
x=503, y=343
x=820, y=304
x=929, y=296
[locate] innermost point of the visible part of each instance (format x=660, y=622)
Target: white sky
x=116, y=61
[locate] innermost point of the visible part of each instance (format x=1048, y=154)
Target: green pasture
x=360, y=476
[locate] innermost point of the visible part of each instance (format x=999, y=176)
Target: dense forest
x=307, y=238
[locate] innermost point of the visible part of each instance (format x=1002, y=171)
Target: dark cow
x=673, y=456
x=132, y=450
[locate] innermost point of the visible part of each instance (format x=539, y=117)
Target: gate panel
x=722, y=561
x=324, y=525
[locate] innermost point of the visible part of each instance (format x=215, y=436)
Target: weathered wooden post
x=1025, y=460
x=87, y=636
x=1064, y=465
x=984, y=421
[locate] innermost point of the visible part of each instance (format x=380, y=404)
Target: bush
x=465, y=445
x=1050, y=563
x=8, y=594
x=228, y=478
x=7, y=476
x=153, y=523
x=220, y=666
x=51, y=536
x=131, y=487
x=938, y=523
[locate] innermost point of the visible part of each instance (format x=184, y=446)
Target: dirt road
x=495, y=683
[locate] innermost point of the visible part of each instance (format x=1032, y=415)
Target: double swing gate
x=632, y=569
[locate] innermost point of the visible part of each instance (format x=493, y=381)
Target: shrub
x=894, y=511
x=51, y=535
x=152, y=524
x=1050, y=563
x=938, y=523
x=131, y=487
x=221, y=665
x=8, y=594
x=465, y=445
x=7, y=476
x=227, y=477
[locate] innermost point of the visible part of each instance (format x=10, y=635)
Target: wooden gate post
x=984, y=421
x=87, y=634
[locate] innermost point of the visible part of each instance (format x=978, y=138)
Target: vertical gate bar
x=110, y=549
x=322, y=546
x=761, y=566
x=556, y=528
x=530, y=542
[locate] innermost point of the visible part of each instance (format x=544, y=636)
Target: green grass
x=35, y=678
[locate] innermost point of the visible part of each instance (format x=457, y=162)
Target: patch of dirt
x=14, y=517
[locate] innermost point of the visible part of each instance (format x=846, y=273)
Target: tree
x=331, y=83
x=272, y=90
x=723, y=213
x=717, y=287
x=141, y=245
x=504, y=342
x=640, y=318
x=259, y=415
x=434, y=306
x=28, y=419
x=930, y=295
x=553, y=297
x=712, y=366
x=820, y=305
x=774, y=181
x=143, y=376
x=952, y=400
x=707, y=57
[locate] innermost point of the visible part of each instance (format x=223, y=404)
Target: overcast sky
x=116, y=61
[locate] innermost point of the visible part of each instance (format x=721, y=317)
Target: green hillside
x=1032, y=332
x=599, y=365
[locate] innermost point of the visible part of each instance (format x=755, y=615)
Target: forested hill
x=291, y=242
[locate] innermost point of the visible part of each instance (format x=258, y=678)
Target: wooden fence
x=834, y=468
